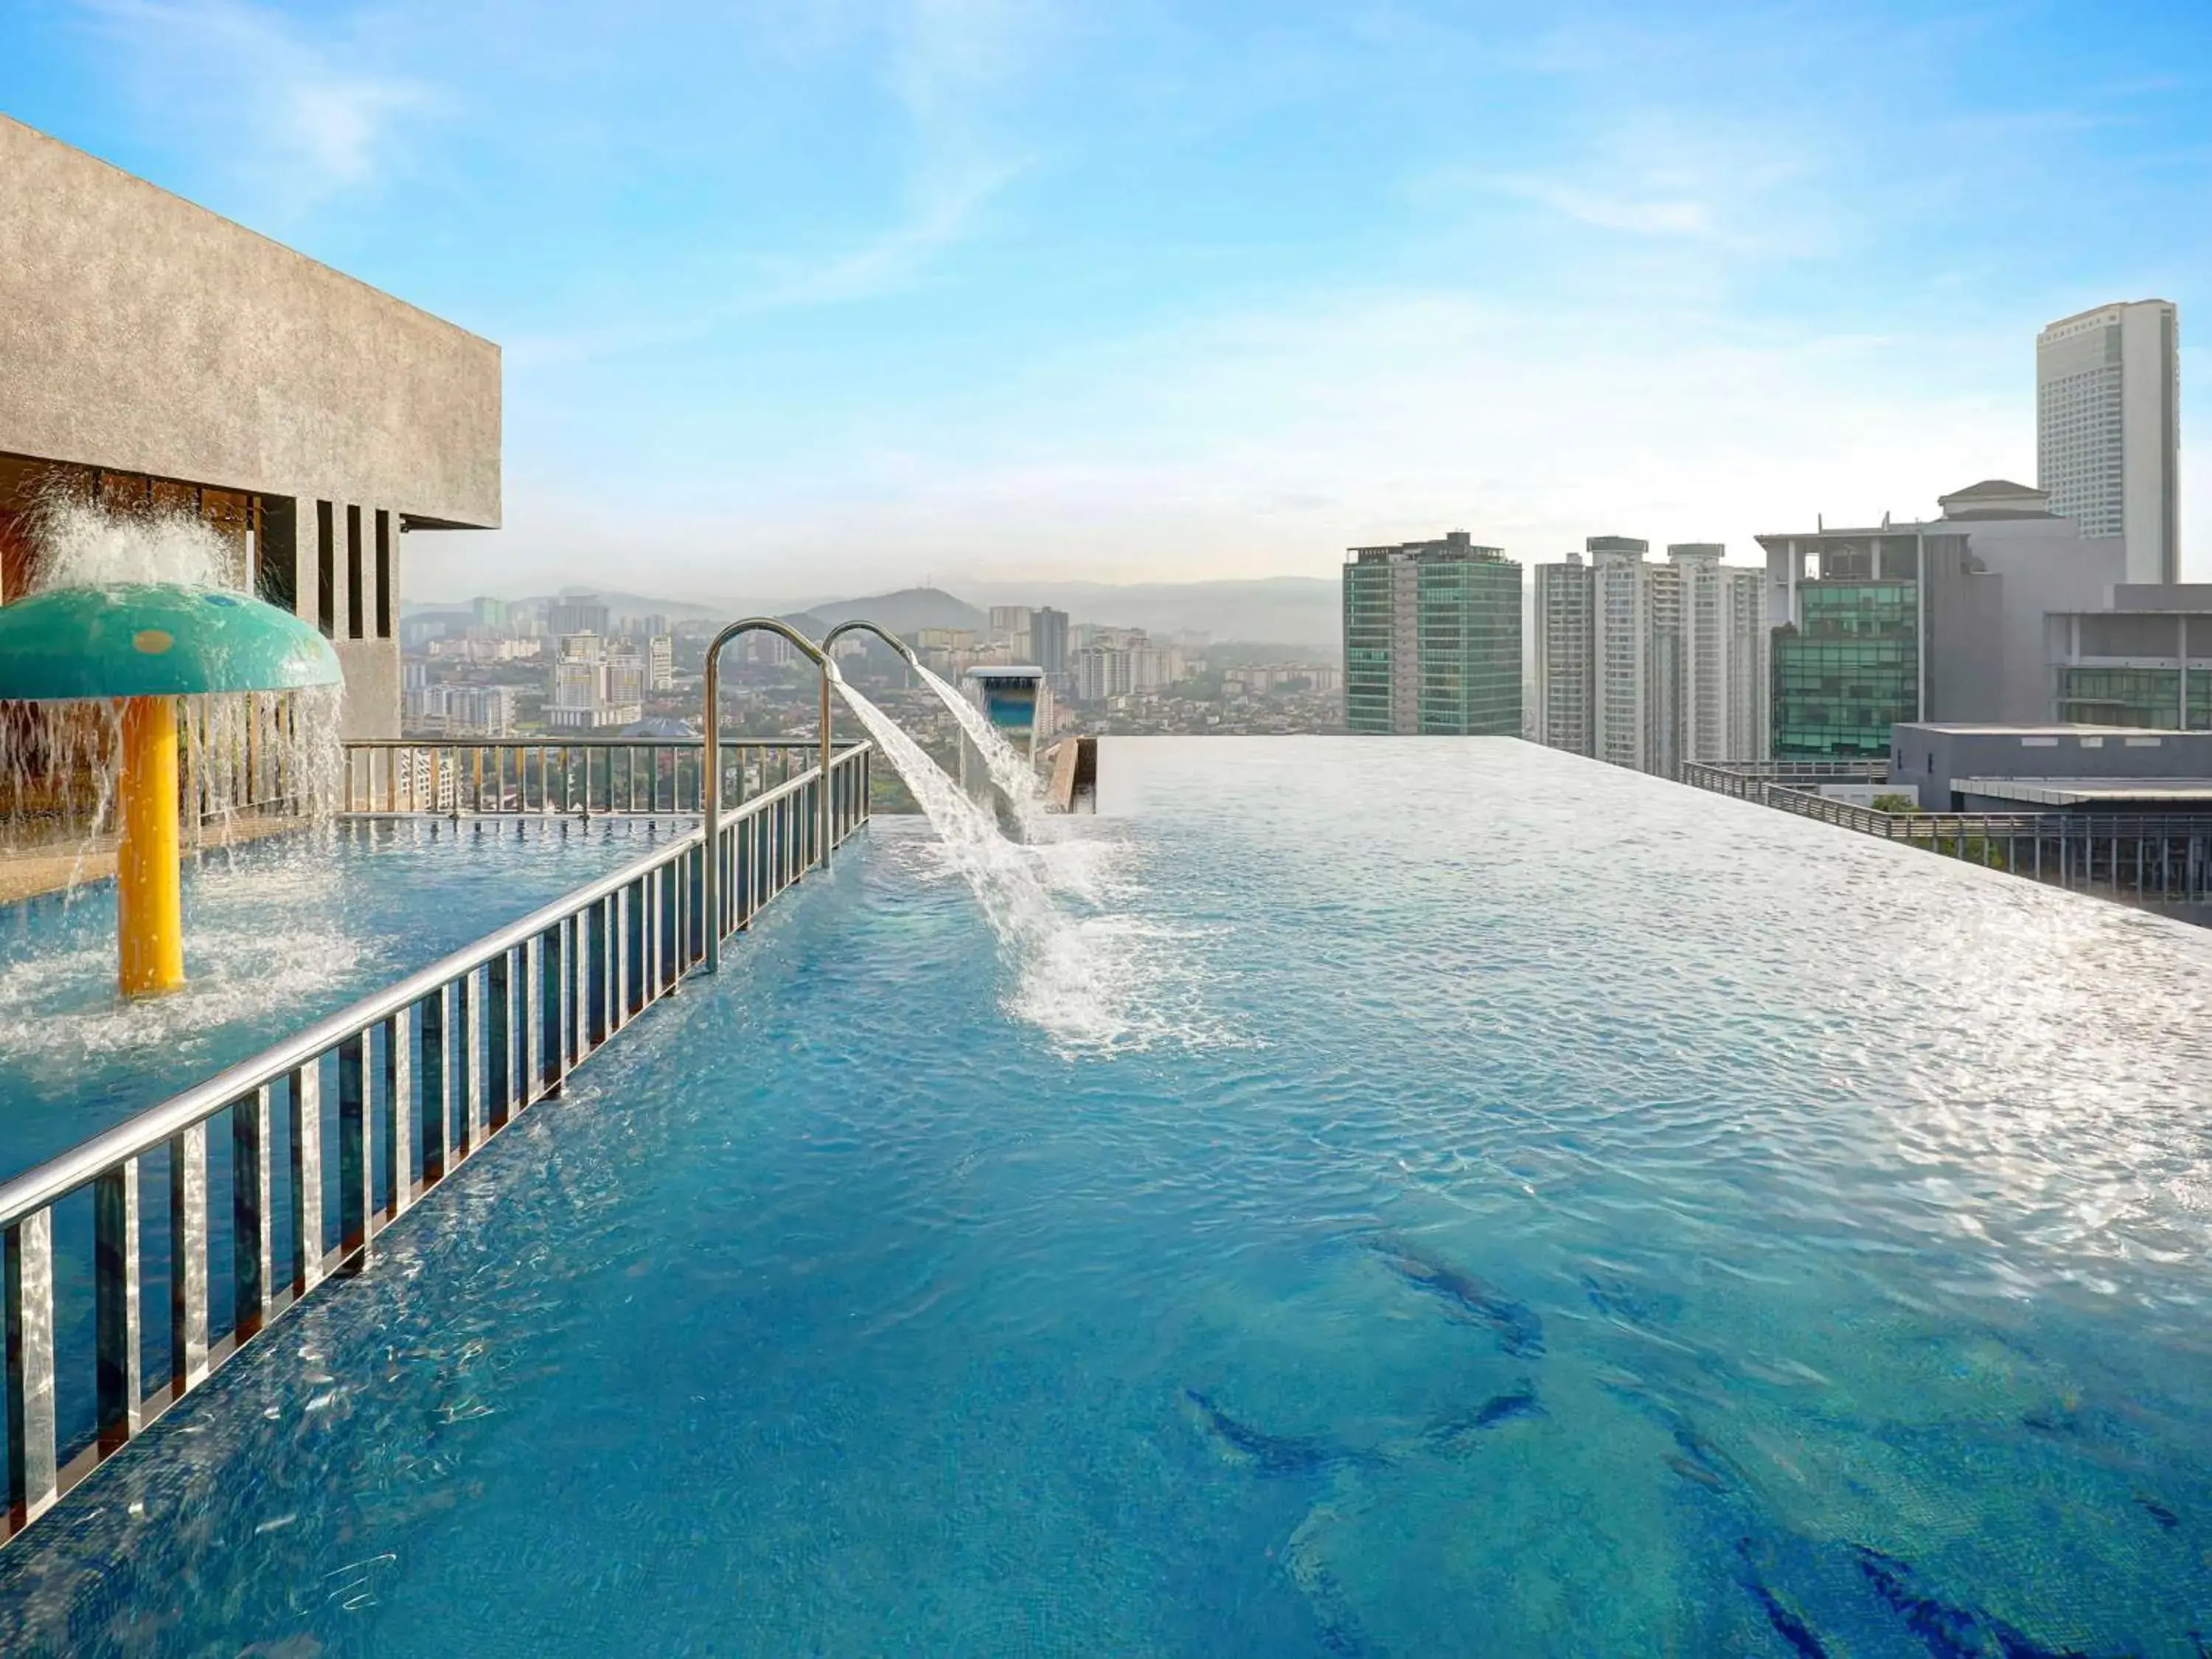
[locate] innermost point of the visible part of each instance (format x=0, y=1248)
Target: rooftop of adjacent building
x=1991, y=501
x=2090, y=791
x=1455, y=547
x=2058, y=729
x=2095, y=316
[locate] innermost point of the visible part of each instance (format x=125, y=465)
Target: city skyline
x=971, y=291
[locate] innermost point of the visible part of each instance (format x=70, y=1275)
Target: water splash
x=1017, y=779
x=1092, y=982
x=80, y=545
x=262, y=754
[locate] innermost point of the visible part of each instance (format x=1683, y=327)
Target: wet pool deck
x=26, y=873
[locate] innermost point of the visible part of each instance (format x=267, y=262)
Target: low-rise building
x=1952, y=767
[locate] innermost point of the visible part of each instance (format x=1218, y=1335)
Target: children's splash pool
x=278, y=933
x=1488, y=1203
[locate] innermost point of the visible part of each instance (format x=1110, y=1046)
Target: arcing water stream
x=1090, y=978
x=1016, y=778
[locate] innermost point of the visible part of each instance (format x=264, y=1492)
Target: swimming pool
x=1498, y=1204
x=277, y=934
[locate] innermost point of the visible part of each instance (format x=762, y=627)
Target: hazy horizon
x=852, y=297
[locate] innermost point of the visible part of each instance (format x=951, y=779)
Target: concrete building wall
x=141, y=336
x=145, y=334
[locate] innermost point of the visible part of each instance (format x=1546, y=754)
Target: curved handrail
x=710, y=781
x=831, y=639
x=880, y=632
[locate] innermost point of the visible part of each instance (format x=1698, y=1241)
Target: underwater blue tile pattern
x=1512, y=1207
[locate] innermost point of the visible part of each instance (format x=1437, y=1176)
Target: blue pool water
x=278, y=932
x=1499, y=1205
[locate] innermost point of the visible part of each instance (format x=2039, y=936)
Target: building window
x=277, y=553
x=356, y=611
x=327, y=573
x=383, y=573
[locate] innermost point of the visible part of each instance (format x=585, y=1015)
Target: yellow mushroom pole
x=149, y=908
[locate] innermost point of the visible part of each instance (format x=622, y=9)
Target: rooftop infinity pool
x=1433, y=1197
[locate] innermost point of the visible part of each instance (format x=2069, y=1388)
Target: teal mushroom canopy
x=155, y=640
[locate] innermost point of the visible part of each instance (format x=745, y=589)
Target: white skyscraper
x=1649, y=665
x=2107, y=429
x=1723, y=661
x=1621, y=638
x=1564, y=683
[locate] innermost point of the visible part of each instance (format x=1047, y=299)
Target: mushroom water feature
x=144, y=645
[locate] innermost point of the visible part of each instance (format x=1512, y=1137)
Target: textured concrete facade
x=141, y=335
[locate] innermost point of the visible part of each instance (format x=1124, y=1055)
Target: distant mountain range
x=905, y=611
x=1287, y=610
x=1301, y=610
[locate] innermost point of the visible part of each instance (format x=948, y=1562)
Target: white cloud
x=297, y=121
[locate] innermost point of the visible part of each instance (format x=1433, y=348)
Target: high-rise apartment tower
x=1433, y=639
x=1566, y=684
x=1649, y=665
x=2108, y=430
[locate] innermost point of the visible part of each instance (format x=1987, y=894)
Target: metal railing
x=584, y=778
x=1738, y=777
x=2150, y=858
x=410, y=1082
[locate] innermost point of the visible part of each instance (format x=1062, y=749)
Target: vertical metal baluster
x=437, y=1084
x=469, y=1076
x=498, y=1030
x=591, y=1015
x=659, y=916
x=532, y=1074
x=354, y=1203
x=115, y=1303
x=560, y=1020
x=188, y=1283
x=398, y=1116
x=620, y=1010
x=687, y=901
x=251, y=1270
x=307, y=1103
x=33, y=1467
x=741, y=850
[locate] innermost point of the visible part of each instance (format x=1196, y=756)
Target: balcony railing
x=407, y=1085
x=2146, y=858
x=581, y=778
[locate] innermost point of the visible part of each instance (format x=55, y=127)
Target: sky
x=808, y=297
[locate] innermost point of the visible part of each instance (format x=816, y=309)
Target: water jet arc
x=145, y=644
x=710, y=783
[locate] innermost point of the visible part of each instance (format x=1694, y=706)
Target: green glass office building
x=1848, y=668
x=1432, y=639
